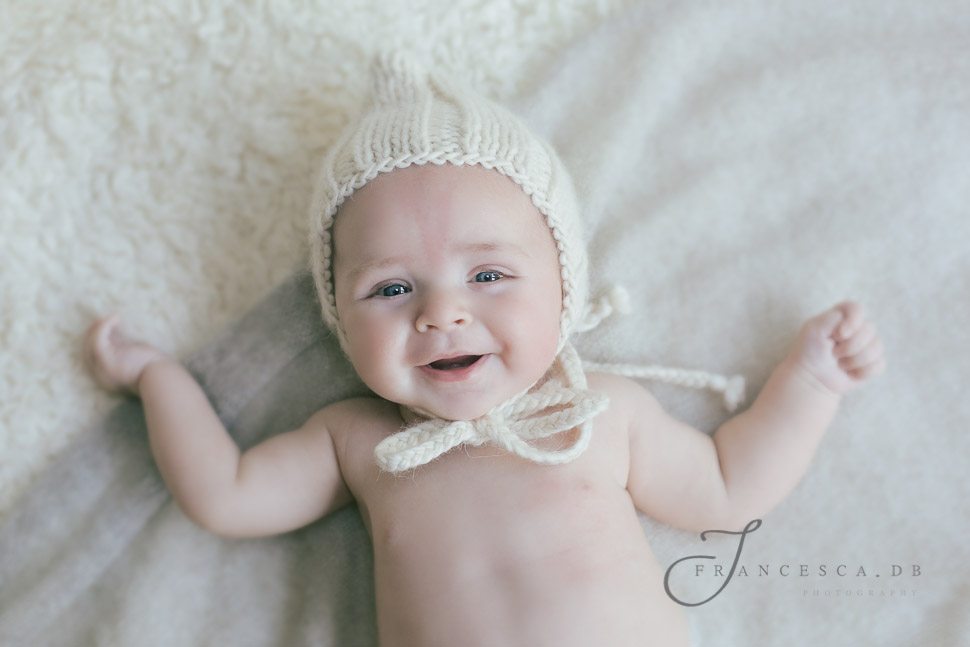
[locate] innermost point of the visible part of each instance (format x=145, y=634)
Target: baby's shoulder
x=616, y=385
x=356, y=425
x=361, y=413
x=626, y=396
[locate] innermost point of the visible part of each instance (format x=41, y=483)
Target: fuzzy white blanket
x=744, y=166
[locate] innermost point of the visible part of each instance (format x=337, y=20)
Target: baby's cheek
x=538, y=330
x=364, y=345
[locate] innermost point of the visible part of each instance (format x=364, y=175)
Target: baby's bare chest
x=482, y=541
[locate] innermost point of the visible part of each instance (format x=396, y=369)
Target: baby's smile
x=455, y=368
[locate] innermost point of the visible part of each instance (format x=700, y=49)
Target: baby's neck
x=409, y=416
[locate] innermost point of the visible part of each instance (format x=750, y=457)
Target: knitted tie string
x=561, y=403
x=731, y=388
x=427, y=440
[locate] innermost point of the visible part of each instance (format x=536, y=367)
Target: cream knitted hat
x=420, y=117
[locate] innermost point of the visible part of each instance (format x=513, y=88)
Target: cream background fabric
x=743, y=168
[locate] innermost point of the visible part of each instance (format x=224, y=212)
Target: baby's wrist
x=155, y=362
x=803, y=374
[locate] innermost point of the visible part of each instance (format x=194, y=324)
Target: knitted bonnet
x=419, y=117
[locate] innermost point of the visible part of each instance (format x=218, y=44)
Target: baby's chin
x=453, y=411
x=468, y=405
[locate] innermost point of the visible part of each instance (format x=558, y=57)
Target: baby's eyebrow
x=478, y=247
x=362, y=269
x=507, y=246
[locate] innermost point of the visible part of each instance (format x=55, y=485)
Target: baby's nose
x=442, y=310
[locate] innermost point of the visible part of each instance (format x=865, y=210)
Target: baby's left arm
x=690, y=480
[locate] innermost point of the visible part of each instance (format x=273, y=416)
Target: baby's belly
x=566, y=565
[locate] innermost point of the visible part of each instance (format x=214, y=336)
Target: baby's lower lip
x=454, y=374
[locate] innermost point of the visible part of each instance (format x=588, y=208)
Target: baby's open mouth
x=453, y=363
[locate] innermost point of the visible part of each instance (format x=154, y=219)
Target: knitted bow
x=552, y=408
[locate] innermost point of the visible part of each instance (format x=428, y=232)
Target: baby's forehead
x=440, y=184
x=467, y=208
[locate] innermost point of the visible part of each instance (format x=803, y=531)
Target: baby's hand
x=115, y=360
x=839, y=348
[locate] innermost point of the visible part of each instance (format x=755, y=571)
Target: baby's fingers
x=871, y=370
x=858, y=341
x=91, y=340
x=97, y=335
x=853, y=317
x=871, y=354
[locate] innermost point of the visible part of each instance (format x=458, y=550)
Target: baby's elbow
x=740, y=516
x=215, y=518
x=217, y=527
x=710, y=519
x=724, y=523
x=719, y=511
x=739, y=504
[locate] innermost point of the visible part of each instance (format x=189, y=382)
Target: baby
x=449, y=264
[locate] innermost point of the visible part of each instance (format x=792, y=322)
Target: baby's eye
x=393, y=290
x=488, y=276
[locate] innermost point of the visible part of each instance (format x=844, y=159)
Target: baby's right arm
x=279, y=485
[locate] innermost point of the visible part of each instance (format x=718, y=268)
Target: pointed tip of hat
x=397, y=76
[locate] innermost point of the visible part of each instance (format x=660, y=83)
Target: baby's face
x=448, y=288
